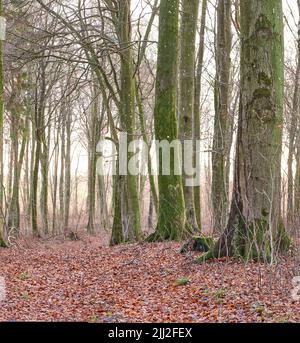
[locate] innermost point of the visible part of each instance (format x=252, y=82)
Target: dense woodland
x=223, y=74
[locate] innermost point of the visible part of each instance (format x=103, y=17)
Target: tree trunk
x=171, y=210
x=293, y=199
x=2, y=243
x=197, y=121
x=255, y=229
x=221, y=124
x=62, y=163
x=44, y=173
x=92, y=142
x=117, y=236
x=13, y=221
x=55, y=180
x=127, y=119
x=186, y=98
x=68, y=169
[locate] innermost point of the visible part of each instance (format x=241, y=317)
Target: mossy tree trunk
x=171, y=209
x=117, y=235
x=128, y=206
x=221, y=124
x=255, y=229
x=188, y=30
x=197, y=121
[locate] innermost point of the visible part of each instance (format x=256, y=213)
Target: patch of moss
x=261, y=93
x=205, y=257
x=262, y=23
x=181, y=282
x=283, y=241
x=263, y=78
x=198, y=243
x=220, y=293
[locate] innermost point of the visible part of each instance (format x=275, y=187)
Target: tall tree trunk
x=13, y=221
x=31, y=171
x=55, y=180
x=102, y=198
x=171, y=210
x=188, y=30
x=26, y=177
x=2, y=243
x=197, y=121
x=293, y=198
x=92, y=142
x=62, y=164
x=44, y=173
x=35, y=176
x=221, y=124
x=255, y=229
x=127, y=120
x=144, y=135
x=68, y=169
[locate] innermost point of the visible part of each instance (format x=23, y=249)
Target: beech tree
x=255, y=228
x=293, y=199
x=171, y=209
x=221, y=121
x=2, y=223
x=197, y=114
x=188, y=29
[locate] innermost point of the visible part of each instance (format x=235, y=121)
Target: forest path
x=81, y=281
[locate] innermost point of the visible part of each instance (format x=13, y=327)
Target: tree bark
x=221, y=124
x=293, y=199
x=188, y=30
x=171, y=210
x=127, y=120
x=92, y=142
x=2, y=243
x=254, y=229
x=197, y=114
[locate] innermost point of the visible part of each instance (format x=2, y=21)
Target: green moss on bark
x=254, y=242
x=255, y=230
x=198, y=243
x=171, y=209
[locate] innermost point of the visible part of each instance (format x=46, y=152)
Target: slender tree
x=221, y=129
x=293, y=200
x=2, y=243
x=197, y=121
x=92, y=142
x=188, y=30
x=19, y=124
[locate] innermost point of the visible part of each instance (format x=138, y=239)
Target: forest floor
x=84, y=281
